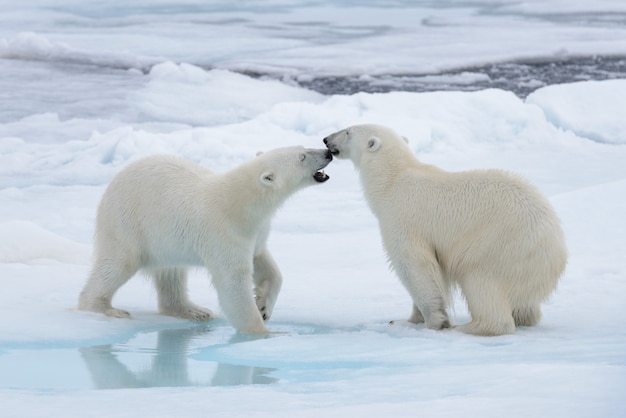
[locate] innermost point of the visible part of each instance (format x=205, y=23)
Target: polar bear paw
x=438, y=321
x=488, y=328
x=264, y=309
x=117, y=313
x=190, y=311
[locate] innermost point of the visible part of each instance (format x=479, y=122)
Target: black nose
x=326, y=140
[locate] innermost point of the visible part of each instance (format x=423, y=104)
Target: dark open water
x=522, y=78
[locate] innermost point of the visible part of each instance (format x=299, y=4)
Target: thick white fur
x=490, y=232
x=162, y=214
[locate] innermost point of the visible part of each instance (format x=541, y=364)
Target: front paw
x=261, y=304
x=438, y=321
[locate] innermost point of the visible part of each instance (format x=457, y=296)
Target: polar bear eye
x=302, y=157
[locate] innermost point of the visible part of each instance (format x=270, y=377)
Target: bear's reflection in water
x=168, y=366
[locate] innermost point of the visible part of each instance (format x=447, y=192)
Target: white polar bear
x=489, y=232
x=161, y=214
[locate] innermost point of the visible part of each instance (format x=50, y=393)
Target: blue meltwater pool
x=185, y=354
x=168, y=357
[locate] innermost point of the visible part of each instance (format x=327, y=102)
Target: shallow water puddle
x=185, y=354
x=163, y=358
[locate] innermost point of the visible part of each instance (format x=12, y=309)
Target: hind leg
x=489, y=306
x=171, y=287
x=107, y=276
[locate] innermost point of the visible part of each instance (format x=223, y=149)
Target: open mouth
x=320, y=176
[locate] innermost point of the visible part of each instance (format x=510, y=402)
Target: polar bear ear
x=259, y=153
x=373, y=144
x=405, y=139
x=267, y=178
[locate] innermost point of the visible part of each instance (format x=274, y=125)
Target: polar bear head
x=292, y=168
x=360, y=142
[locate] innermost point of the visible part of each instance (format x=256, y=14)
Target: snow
x=584, y=116
x=87, y=89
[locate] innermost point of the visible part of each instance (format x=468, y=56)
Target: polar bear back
x=141, y=209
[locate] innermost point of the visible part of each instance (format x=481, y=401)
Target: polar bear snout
x=330, y=144
x=339, y=143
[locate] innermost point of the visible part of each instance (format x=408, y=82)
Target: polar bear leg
x=237, y=301
x=433, y=310
x=267, y=281
x=171, y=286
x=489, y=306
x=107, y=276
x=234, y=291
x=423, y=280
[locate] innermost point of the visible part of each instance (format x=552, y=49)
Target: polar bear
x=162, y=213
x=489, y=232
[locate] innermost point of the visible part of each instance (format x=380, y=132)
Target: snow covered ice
x=85, y=89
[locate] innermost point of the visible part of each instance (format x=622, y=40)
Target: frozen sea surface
x=537, y=87
x=338, y=47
